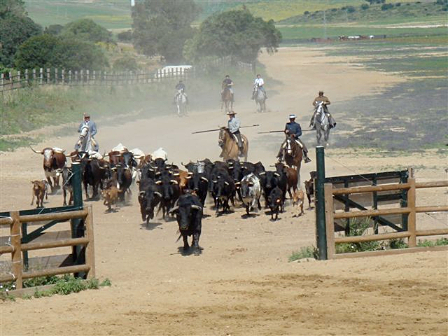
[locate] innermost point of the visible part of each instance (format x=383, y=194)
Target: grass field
x=408, y=117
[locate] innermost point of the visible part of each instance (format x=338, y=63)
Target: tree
x=55, y=29
x=48, y=51
x=234, y=33
x=86, y=30
x=14, y=30
x=12, y=8
x=161, y=27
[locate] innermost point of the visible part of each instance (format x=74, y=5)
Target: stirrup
x=307, y=159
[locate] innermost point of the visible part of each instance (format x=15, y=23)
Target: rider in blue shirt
x=293, y=129
x=233, y=125
x=92, y=130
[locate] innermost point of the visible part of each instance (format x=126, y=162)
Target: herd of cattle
x=173, y=191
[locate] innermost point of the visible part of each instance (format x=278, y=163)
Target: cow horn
x=174, y=181
x=36, y=151
x=157, y=193
x=226, y=183
x=141, y=192
x=203, y=178
x=262, y=173
x=237, y=183
x=174, y=209
x=197, y=207
x=277, y=174
x=158, y=182
x=176, y=174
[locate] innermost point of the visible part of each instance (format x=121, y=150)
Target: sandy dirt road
x=242, y=283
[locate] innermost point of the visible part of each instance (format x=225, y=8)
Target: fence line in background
x=54, y=76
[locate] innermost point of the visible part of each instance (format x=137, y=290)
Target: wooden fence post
x=17, y=253
x=329, y=220
x=69, y=77
x=412, y=215
x=27, y=76
x=48, y=76
x=19, y=79
x=41, y=76
x=81, y=77
x=76, y=77
x=34, y=76
x=63, y=76
x=88, y=77
x=2, y=80
x=11, y=80
x=90, y=248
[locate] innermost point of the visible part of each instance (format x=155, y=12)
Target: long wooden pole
x=329, y=219
x=17, y=267
x=90, y=248
x=412, y=218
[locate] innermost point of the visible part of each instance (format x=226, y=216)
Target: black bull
x=189, y=217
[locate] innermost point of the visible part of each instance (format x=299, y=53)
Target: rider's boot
x=240, y=152
x=306, y=158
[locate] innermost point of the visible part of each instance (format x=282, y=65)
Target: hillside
x=386, y=13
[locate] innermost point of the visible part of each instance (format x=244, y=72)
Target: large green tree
x=161, y=27
x=14, y=30
x=86, y=30
x=12, y=8
x=234, y=33
x=48, y=51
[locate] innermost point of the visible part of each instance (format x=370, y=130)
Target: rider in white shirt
x=258, y=83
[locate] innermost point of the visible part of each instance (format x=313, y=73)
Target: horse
x=293, y=155
x=181, y=103
x=322, y=124
x=229, y=145
x=227, y=100
x=260, y=100
x=86, y=142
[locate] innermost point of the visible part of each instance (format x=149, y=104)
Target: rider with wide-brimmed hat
x=233, y=125
x=325, y=101
x=293, y=129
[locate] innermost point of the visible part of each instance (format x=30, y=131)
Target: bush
x=365, y=6
x=87, y=30
x=351, y=9
x=125, y=64
x=385, y=7
x=357, y=228
x=305, y=252
x=306, y=12
x=125, y=36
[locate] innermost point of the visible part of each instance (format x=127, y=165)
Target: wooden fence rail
x=411, y=210
x=15, y=247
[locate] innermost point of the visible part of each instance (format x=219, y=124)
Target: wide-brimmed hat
x=231, y=112
x=86, y=115
x=321, y=91
x=292, y=116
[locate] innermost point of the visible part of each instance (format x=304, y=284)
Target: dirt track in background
x=242, y=284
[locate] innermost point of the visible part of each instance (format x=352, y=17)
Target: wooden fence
x=71, y=263
x=18, y=80
x=411, y=210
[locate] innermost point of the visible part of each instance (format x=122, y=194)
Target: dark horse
x=293, y=154
x=227, y=100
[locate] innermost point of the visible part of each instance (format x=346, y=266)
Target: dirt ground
x=242, y=283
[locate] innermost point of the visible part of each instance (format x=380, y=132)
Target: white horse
x=86, y=143
x=260, y=99
x=322, y=124
x=181, y=103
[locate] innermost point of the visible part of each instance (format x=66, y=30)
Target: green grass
x=357, y=228
x=305, y=252
x=63, y=285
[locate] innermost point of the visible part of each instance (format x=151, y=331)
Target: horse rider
x=294, y=130
x=92, y=128
x=233, y=125
x=258, y=85
x=321, y=98
x=180, y=87
x=227, y=83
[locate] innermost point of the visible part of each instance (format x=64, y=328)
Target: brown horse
x=227, y=100
x=293, y=155
x=230, y=146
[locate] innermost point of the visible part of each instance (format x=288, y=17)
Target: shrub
x=385, y=7
x=305, y=252
x=357, y=228
x=125, y=64
x=364, y=6
x=306, y=12
x=351, y=9
x=125, y=36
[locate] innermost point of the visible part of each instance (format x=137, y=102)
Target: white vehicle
x=172, y=71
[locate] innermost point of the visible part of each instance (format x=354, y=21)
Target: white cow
x=250, y=192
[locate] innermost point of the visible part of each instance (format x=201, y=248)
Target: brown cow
x=110, y=196
x=309, y=187
x=181, y=177
x=54, y=162
x=292, y=177
x=298, y=198
x=39, y=191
